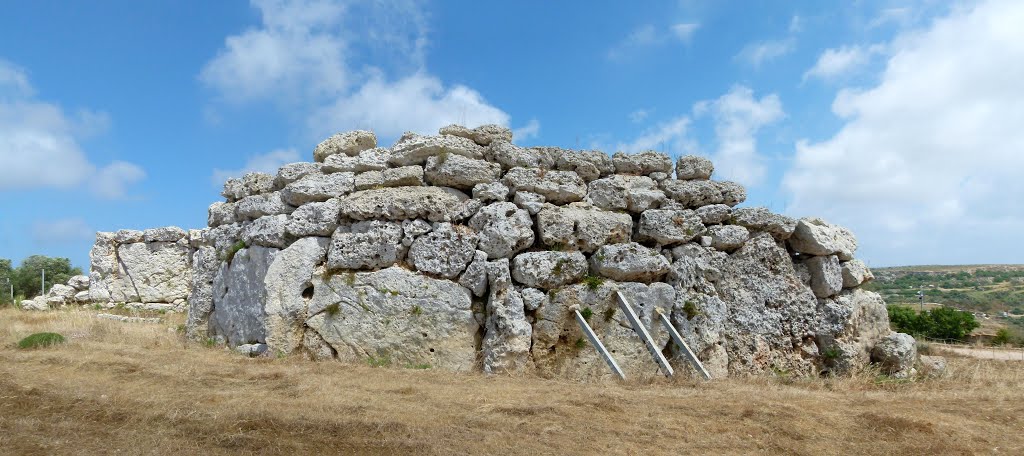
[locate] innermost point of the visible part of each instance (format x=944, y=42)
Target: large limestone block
x=642, y=163
x=490, y=192
x=483, y=135
x=256, y=206
x=79, y=282
x=762, y=219
x=815, y=236
x=669, y=227
x=315, y=219
x=560, y=349
x=510, y=156
x=475, y=276
x=826, y=275
x=549, y=269
x=294, y=171
x=855, y=273
x=582, y=227
x=205, y=265
x=397, y=317
x=288, y=286
x=318, y=187
x=557, y=187
x=150, y=272
x=164, y=234
x=391, y=177
x=629, y=262
x=625, y=193
x=248, y=185
x=896, y=355
x=445, y=251
x=691, y=167
x=727, y=238
x=416, y=149
x=456, y=171
x=508, y=334
x=221, y=213
x=239, y=293
x=372, y=244
x=504, y=229
x=375, y=159
x=714, y=214
x=269, y=231
x=437, y=204
x=37, y=304
x=697, y=193
x=128, y=236
x=850, y=325
x=588, y=164
x=61, y=294
x=348, y=143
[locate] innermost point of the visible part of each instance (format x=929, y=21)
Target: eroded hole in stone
x=308, y=292
x=431, y=350
x=424, y=334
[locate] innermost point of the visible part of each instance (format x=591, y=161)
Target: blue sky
x=897, y=118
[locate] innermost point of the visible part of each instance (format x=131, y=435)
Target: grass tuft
x=40, y=340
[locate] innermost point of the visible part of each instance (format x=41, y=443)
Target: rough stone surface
x=896, y=355
x=165, y=234
x=315, y=219
x=714, y=214
x=549, y=270
x=642, y=163
x=475, y=276
x=269, y=231
x=238, y=290
x=256, y=206
x=588, y=164
x=456, y=171
x=508, y=334
x=932, y=366
x=855, y=273
x=582, y=227
x=288, y=285
x=483, y=135
x=697, y=193
x=372, y=244
x=669, y=227
x=504, y=229
x=79, y=282
x=849, y=325
x=375, y=159
x=318, y=187
x=728, y=238
x=632, y=193
x=396, y=317
x=510, y=156
x=445, y=251
x=557, y=187
x=532, y=202
x=629, y=262
x=221, y=213
x=348, y=143
x=148, y=272
x=761, y=219
x=436, y=204
x=815, y=236
x=826, y=275
x=205, y=266
x=690, y=167
x=490, y=192
x=294, y=171
x=417, y=149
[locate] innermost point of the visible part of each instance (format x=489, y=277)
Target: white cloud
x=528, y=131
x=838, y=63
x=638, y=116
x=268, y=163
x=739, y=115
x=684, y=31
x=670, y=136
x=40, y=143
x=760, y=52
x=796, y=24
x=927, y=166
x=302, y=56
x=62, y=231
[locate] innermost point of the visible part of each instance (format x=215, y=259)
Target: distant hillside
x=979, y=288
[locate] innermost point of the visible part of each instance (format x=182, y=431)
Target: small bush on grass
x=41, y=340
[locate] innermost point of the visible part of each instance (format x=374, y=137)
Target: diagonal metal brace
x=681, y=343
x=645, y=336
x=597, y=343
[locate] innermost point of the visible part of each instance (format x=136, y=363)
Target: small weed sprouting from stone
x=378, y=361
x=350, y=278
x=593, y=282
x=416, y=310
x=40, y=340
x=691, y=310
x=580, y=343
x=332, y=310
x=210, y=342
x=230, y=254
x=831, y=353
x=609, y=313
x=587, y=313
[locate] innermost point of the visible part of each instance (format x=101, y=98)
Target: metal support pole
x=681, y=343
x=644, y=335
x=597, y=342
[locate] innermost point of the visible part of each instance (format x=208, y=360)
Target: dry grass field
x=124, y=388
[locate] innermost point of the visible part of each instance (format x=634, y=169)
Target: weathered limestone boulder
x=669, y=227
x=848, y=327
x=371, y=244
x=205, y=266
x=238, y=291
x=618, y=192
x=557, y=187
x=436, y=204
x=560, y=348
x=690, y=167
x=445, y=251
x=403, y=176
x=483, y=135
x=697, y=193
x=932, y=366
x=163, y=234
x=714, y=214
x=727, y=238
x=288, y=286
x=315, y=219
x=79, y=282
x=761, y=219
x=629, y=262
x=582, y=227
x=128, y=236
x=826, y=275
x=509, y=156
x=504, y=229
x=508, y=334
x=896, y=355
x=642, y=163
x=395, y=317
x=547, y=270
x=349, y=143
x=61, y=294
x=147, y=272
x=294, y=171
x=269, y=231
x=375, y=159
x=256, y=206
x=815, y=236
x=475, y=276
x=588, y=164
x=221, y=213
x=318, y=187
x=416, y=149
x=456, y=171
x=82, y=297
x=37, y=304
x=248, y=185
x=532, y=202
x=490, y=192
x=855, y=273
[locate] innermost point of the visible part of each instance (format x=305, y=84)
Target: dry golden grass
x=140, y=389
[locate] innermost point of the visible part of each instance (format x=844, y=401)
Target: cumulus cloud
x=926, y=167
x=841, y=62
x=268, y=163
x=739, y=116
x=529, y=131
x=756, y=54
x=649, y=35
x=671, y=135
x=303, y=56
x=40, y=143
x=684, y=31
x=62, y=231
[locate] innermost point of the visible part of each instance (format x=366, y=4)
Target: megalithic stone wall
x=464, y=251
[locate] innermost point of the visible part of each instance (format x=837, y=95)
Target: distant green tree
x=6, y=273
x=28, y=275
x=940, y=323
x=1002, y=337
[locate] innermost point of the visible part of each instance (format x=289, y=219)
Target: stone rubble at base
x=464, y=251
